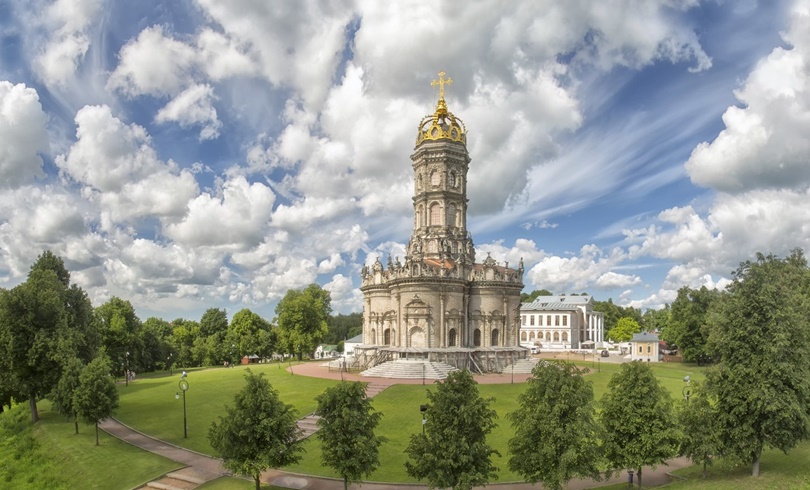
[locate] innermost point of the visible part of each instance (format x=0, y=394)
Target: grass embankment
x=231, y=483
x=50, y=455
x=149, y=404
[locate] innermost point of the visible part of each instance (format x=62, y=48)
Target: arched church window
x=435, y=214
x=494, y=338
x=419, y=213
x=451, y=215
x=477, y=338
x=435, y=178
x=452, y=179
x=451, y=338
x=387, y=336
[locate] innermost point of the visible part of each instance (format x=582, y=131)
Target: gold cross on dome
x=441, y=82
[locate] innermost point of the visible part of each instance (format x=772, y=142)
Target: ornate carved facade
x=439, y=297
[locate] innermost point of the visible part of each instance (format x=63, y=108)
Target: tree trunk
x=345, y=483
x=76, y=422
x=705, y=460
x=757, y=460
x=258, y=481
x=32, y=402
x=638, y=473
x=96, y=433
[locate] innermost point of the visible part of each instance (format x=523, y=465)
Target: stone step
x=372, y=389
x=408, y=369
x=308, y=425
x=167, y=483
x=180, y=475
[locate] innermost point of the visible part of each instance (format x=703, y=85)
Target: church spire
x=442, y=124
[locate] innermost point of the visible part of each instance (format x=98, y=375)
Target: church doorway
x=494, y=338
x=387, y=336
x=451, y=338
x=417, y=337
x=477, y=338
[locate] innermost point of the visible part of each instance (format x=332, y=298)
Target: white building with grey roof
x=561, y=322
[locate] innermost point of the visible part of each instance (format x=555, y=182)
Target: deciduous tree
x=63, y=395
x=453, y=451
x=687, y=327
x=258, y=432
x=96, y=397
x=555, y=431
x=640, y=428
x=701, y=434
x=762, y=383
x=347, y=422
x=624, y=329
x=302, y=319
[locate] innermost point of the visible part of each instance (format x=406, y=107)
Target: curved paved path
x=206, y=468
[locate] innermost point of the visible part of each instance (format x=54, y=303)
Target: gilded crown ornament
x=442, y=124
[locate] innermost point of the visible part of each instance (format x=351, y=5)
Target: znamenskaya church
x=440, y=304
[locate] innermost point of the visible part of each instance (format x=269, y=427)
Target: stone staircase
x=409, y=369
x=183, y=479
x=308, y=425
x=373, y=389
x=522, y=366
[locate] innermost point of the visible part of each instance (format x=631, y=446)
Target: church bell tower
x=440, y=164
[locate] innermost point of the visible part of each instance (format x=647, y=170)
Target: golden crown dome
x=442, y=124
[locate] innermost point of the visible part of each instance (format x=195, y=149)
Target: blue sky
x=193, y=154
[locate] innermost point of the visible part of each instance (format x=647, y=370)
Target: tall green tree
x=347, y=422
x=614, y=312
x=687, y=327
x=157, y=347
x=302, y=317
x=656, y=320
x=184, y=335
x=96, y=397
x=214, y=321
x=701, y=434
x=37, y=323
x=121, y=330
x=624, y=330
x=63, y=395
x=555, y=428
x=640, y=426
x=762, y=383
x=249, y=333
x=453, y=450
x=343, y=327
x=258, y=432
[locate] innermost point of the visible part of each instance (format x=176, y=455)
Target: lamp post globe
x=183, y=385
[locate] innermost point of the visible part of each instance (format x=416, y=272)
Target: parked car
x=604, y=353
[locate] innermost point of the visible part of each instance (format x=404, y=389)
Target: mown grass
x=50, y=455
x=149, y=403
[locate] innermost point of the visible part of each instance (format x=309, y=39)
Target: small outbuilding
x=644, y=347
x=349, y=345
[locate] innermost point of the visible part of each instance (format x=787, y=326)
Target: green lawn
x=50, y=455
x=149, y=403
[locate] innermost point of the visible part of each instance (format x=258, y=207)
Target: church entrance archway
x=494, y=337
x=417, y=337
x=387, y=336
x=451, y=338
x=477, y=338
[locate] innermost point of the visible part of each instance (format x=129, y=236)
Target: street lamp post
x=169, y=363
x=183, y=385
x=687, y=390
x=126, y=370
x=423, y=409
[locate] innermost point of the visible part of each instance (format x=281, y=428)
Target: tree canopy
x=347, y=422
x=302, y=319
x=453, y=451
x=624, y=330
x=44, y=322
x=258, y=432
x=762, y=383
x=555, y=432
x=96, y=397
x=249, y=334
x=687, y=327
x=640, y=428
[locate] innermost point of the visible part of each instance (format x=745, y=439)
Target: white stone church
x=439, y=304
